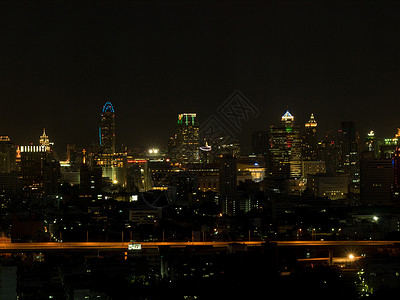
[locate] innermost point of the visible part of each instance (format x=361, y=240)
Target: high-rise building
x=228, y=183
x=107, y=129
x=40, y=170
x=376, y=179
x=350, y=157
x=285, y=149
x=187, y=139
x=259, y=142
x=330, y=151
x=310, y=140
x=7, y=155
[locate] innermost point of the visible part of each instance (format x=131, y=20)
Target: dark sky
x=60, y=62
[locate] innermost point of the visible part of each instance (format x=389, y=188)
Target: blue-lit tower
x=107, y=129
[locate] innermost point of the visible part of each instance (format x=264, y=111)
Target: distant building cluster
x=287, y=159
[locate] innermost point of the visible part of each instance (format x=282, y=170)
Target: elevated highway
x=60, y=246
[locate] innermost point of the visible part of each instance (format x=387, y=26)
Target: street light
x=153, y=151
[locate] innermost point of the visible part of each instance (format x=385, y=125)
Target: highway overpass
x=104, y=246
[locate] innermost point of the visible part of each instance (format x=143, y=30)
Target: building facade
x=187, y=139
x=107, y=129
x=310, y=142
x=285, y=149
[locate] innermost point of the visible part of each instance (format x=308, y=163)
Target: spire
x=44, y=132
x=44, y=140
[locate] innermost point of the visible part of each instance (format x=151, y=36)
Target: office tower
x=7, y=155
x=228, y=183
x=259, y=142
x=377, y=177
x=187, y=138
x=107, y=129
x=40, y=170
x=350, y=153
x=285, y=149
x=310, y=140
x=330, y=151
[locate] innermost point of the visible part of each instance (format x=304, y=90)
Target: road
x=15, y=247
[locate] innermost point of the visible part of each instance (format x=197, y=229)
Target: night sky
x=60, y=62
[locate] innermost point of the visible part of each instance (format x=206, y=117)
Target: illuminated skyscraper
x=310, y=140
x=285, y=149
x=107, y=129
x=187, y=138
x=40, y=170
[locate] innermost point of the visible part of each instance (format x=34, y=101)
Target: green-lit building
x=187, y=139
x=285, y=149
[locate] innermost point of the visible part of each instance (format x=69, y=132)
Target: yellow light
x=115, y=181
x=351, y=256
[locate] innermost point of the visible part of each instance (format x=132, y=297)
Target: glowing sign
x=185, y=118
x=134, y=246
x=137, y=161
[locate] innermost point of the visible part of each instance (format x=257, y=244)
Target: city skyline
x=207, y=148
x=108, y=107
x=153, y=60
